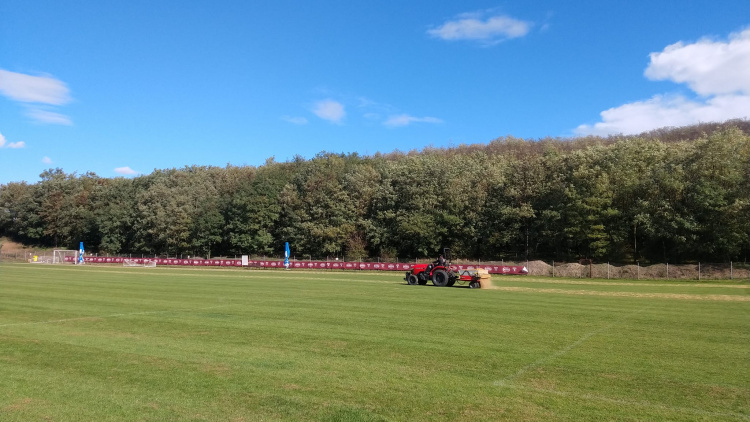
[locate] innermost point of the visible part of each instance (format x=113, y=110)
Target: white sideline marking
x=507, y=381
x=55, y=321
x=564, y=350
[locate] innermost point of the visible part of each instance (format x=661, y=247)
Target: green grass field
x=100, y=343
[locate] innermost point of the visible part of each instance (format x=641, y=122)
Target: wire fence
x=663, y=271
x=699, y=271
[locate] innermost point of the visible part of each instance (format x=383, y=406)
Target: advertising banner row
x=312, y=265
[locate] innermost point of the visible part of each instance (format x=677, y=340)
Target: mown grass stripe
x=107, y=344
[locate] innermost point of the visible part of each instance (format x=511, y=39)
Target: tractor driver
x=440, y=261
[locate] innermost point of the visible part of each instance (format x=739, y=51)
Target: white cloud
x=44, y=116
x=663, y=111
x=39, y=93
x=295, y=120
x=716, y=71
x=33, y=89
x=330, y=110
x=46, y=160
x=14, y=145
x=125, y=171
x=707, y=67
x=472, y=26
x=405, y=120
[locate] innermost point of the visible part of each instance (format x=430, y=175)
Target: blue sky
x=121, y=88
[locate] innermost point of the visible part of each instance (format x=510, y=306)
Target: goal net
x=63, y=256
x=135, y=263
x=131, y=263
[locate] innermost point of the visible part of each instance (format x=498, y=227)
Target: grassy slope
x=109, y=343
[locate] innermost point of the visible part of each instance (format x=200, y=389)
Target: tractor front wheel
x=412, y=280
x=440, y=278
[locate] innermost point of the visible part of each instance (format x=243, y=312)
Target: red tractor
x=441, y=273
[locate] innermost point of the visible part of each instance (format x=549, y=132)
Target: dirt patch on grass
x=538, y=379
x=215, y=369
x=19, y=405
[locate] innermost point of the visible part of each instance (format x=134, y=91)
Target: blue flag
x=286, y=256
x=80, y=254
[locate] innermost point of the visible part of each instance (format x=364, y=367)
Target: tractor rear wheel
x=440, y=278
x=412, y=280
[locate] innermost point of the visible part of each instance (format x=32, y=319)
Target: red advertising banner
x=308, y=265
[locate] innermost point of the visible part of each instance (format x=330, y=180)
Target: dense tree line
x=670, y=195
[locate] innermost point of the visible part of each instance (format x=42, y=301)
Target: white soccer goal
x=135, y=263
x=59, y=256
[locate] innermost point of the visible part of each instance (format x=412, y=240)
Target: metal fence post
x=553, y=268
x=638, y=271
x=699, y=271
